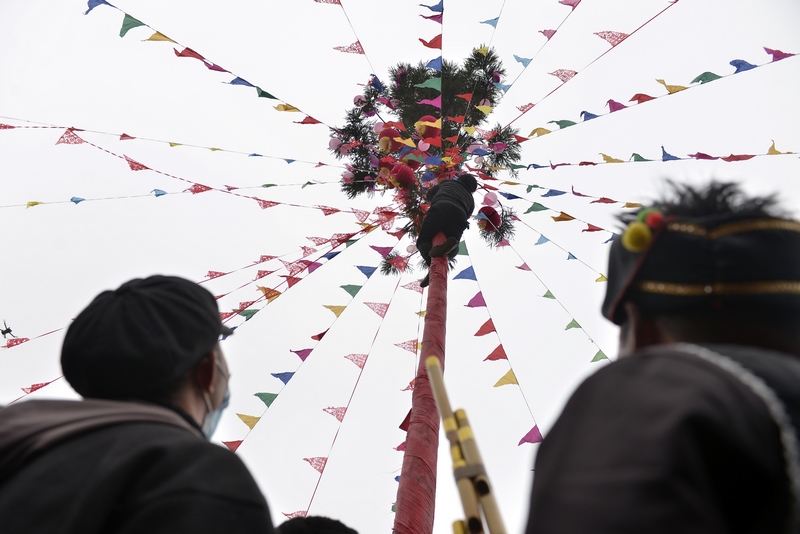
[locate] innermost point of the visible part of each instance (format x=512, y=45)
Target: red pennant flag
x=215, y=274
x=410, y=345
x=640, y=98
x=701, y=155
x=591, y=228
x=35, y=387
x=603, y=200
x=487, y=328
x=265, y=203
x=318, y=337
x=406, y=422
x=125, y=137
x=497, y=354
x=232, y=445
x=465, y=96
x=6, y=126
x=738, y=157
x=327, y=210
x=307, y=120
x=413, y=286
x=226, y=315
x=564, y=75
x=198, y=188
x=613, y=38
x=70, y=138
x=398, y=262
x=14, y=341
x=317, y=462
x=436, y=42
x=291, y=280
x=401, y=447
x=188, y=52
x=135, y=165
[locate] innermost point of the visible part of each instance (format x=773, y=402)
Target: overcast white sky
x=64, y=69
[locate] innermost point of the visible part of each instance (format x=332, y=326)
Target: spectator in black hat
x=133, y=456
x=451, y=205
x=694, y=428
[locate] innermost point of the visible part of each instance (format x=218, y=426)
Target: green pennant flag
x=128, y=23
x=562, y=123
x=637, y=157
x=307, y=184
x=269, y=185
x=549, y=295
x=352, y=289
x=248, y=314
x=537, y=207
x=572, y=324
x=516, y=166
x=266, y=398
x=432, y=83
x=349, y=242
x=462, y=249
x=599, y=356
x=263, y=94
x=532, y=187
x=706, y=77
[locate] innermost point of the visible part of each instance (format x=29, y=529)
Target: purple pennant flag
x=303, y=354
x=533, y=436
x=436, y=102
x=477, y=301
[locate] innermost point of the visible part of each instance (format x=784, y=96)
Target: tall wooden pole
x=416, y=493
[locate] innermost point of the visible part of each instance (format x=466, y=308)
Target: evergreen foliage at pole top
x=425, y=126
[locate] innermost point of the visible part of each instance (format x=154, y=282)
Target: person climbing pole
x=451, y=205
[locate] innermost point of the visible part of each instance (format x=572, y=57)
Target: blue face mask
x=211, y=419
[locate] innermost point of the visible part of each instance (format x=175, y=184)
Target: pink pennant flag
x=398, y=262
x=338, y=413
x=413, y=286
x=533, y=436
x=564, y=75
x=410, y=386
x=215, y=274
x=383, y=251
x=401, y=447
x=308, y=251
x=245, y=305
x=319, y=240
x=198, y=188
x=135, y=165
x=571, y=3
x=265, y=203
x=361, y=215
x=354, y=48
x=777, y=55
x=525, y=108
x=292, y=515
x=70, y=138
x=476, y=301
x=302, y=353
x=378, y=307
x=317, y=462
x=262, y=273
x=35, y=387
x=613, y=38
x=434, y=18
x=6, y=126
x=232, y=445
x=523, y=267
x=337, y=2
x=486, y=328
x=503, y=243
x=265, y=257
x=358, y=359
x=410, y=345
x=436, y=102
x=125, y=137
x=226, y=315
x=613, y=106
x=497, y=354
x=548, y=33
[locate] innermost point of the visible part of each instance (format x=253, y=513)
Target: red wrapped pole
x=416, y=493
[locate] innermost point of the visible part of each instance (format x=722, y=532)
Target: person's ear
x=205, y=372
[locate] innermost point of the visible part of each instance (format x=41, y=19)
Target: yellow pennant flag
x=469, y=129
x=214, y=149
x=33, y=203
x=249, y=420
x=287, y=107
x=437, y=124
x=508, y=378
x=602, y=278
x=158, y=36
x=774, y=151
x=337, y=310
x=632, y=205
x=671, y=88
x=509, y=183
x=562, y=217
x=539, y=131
x=495, y=168
x=482, y=51
x=175, y=144
x=269, y=293
x=609, y=159
x=484, y=109
x=422, y=313
x=407, y=142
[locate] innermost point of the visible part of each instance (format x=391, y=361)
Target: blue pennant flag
x=77, y=200
x=741, y=65
x=366, y=270
x=438, y=8
x=542, y=240
x=435, y=64
x=554, y=193
x=158, y=192
x=239, y=81
x=332, y=254
x=571, y=256
x=491, y=22
x=666, y=156
x=509, y=196
x=524, y=60
x=466, y=274
x=283, y=377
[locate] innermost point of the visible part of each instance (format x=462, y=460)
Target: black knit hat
x=727, y=261
x=138, y=340
x=468, y=181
